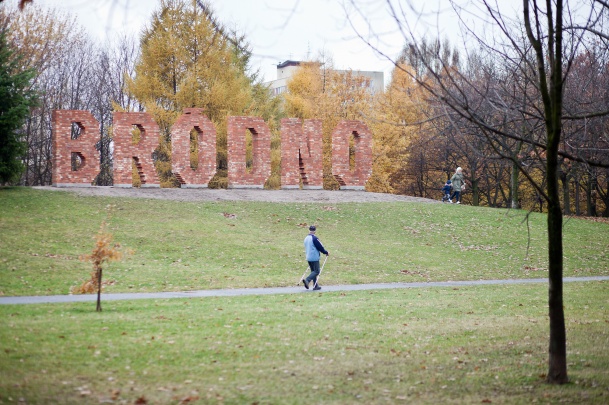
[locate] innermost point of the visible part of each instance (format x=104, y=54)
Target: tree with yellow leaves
x=398, y=121
x=317, y=90
x=188, y=59
x=103, y=252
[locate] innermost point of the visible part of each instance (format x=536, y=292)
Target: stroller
x=446, y=191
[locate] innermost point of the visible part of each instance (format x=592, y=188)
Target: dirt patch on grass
x=206, y=194
x=593, y=219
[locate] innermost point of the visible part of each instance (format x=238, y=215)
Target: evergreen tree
x=15, y=101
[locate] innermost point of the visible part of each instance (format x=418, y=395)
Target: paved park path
x=48, y=299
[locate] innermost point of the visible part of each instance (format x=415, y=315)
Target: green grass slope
x=476, y=344
x=209, y=245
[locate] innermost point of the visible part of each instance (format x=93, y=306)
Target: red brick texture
x=347, y=178
x=238, y=176
x=193, y=118
x=84, y=146
x=301, y=154
x=301, y=151
x=125, y=152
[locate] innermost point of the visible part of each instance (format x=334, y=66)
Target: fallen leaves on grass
x=414, y=273
x=412, y=230
x=141, y=401
x=481, y=247
x=593, y=219
x=229, y=215
x=189, y=399
x=54, y=256
x=84, y=391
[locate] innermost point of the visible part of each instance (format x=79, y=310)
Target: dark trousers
x=314, y=266
x=457, y=195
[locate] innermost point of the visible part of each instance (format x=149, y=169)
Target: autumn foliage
x=189, y=60
x=103, y=252
x=316, y=90
x=185, y=57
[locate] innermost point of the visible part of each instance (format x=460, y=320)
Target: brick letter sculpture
x=75, y=133
x=301, y=154
x=347, y=178
x=193, y=118
x=125, y=152
x=76, y=160
x=238, y=175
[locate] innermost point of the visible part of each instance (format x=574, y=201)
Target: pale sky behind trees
x=281, y=30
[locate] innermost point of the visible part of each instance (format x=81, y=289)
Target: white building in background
x=285, y=71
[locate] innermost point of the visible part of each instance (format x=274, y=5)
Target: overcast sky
x=280, y=30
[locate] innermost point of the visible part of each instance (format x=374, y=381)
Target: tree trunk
x=557, y=373
x=552, y=96
x=578, y=211
x=605, y=199
x=590, y=196
x=514, y=186
x=566, y=198
x=99, y=288
x=475, y=192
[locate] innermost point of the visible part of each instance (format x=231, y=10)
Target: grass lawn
x=207, y=245
x=482, y=344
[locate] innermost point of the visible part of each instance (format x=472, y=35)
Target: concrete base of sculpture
x=238, y=186
x=65, y=185
x=194, y=186
x=358, y=188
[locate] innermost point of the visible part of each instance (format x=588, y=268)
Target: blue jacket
x=312, y=247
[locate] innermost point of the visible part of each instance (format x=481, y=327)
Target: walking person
x=313, y=247
x=458, y=185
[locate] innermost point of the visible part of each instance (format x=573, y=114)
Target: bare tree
x=114, y=64
x=539, y=48
x=72, y=73
x=62, y=56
